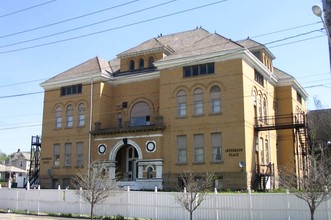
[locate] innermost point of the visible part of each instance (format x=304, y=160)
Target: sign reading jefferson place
x=234, y=152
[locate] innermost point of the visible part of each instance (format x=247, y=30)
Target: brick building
x=192, y=100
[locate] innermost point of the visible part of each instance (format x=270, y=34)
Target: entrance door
x=131, y=166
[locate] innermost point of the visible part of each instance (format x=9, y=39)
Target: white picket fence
x=163, y=205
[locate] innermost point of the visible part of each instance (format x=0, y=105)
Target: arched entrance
x=126, y=163
x=125, y=155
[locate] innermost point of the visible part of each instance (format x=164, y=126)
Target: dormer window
x=131, y=65
x=141, y=63
x=151, y=62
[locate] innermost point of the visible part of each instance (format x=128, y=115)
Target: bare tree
x=314, y=186
x=94, y=184
x=196, y=189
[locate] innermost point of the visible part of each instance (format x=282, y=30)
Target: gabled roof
x=209, y=44
x=282, y=75
x=86, y=69
x=285, y=79
x=25, y=155
x=183, y=44
x=152, y=45
x=253, y=46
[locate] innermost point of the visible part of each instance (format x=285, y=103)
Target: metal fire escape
x=33, y=179
x=297, y=123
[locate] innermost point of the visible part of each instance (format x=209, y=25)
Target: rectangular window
x=70, y=121
x=67, y=154
x=201, y=69
x=181, y=110
x=181, y=149
x=266, y=147
x=299, y=98
x=56, y=155
x=69, y=90
x=198, y=107
x=261, y=151
x=216, y=147
x=259, y=78
x=211, y=68
x=81, y=120
x=198, y=148
x=140, y=121
x=58, y=122
x=80, y=153
x=215, y=105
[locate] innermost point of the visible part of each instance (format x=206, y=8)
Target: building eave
x=87, y=78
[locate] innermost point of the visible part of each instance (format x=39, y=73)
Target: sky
x=42, y=38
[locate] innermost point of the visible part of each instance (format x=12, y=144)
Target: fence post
x=127, y=201
x=155, y=202
x=38, y=199
x=288, y=205
x=80, y=201
x=250, y=203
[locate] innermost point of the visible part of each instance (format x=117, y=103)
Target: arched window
x=254, y=97
x=81, y=114
x=215, y=99
x=259, y=101
x=70, y=117
x=149, y=172
x=131, y=65
x=119, y=119
x=151, y=62
x=265, y=110
x=140, y=114
x=141, y=63
x=198, y=101
x=181, y=104
x=58, y=117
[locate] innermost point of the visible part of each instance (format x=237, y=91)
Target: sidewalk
x=13, y=216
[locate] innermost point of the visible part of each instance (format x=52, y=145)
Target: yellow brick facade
x=131, y=120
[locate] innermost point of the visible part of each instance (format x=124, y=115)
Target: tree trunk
x=312, y=211
x=191, y=215
x=91, y=211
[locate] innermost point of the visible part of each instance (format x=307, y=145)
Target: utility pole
x=327, y=22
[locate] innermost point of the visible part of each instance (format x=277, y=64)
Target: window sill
x=198, y=115
x=79, y=167
x=180, y=164
x=66, y=167
x=55, y=167
x=181, y=117
x=69, y=127
x=215, y=113
x=217, y=162
x=198, y=163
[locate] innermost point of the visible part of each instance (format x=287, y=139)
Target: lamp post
x=318, y=12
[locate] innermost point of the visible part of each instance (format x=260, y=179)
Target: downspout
x=90, y=127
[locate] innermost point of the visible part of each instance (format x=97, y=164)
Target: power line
x=115, y=28
x=67, y=20
x=33, y=93
x=25, y=9
x=287, y=29
x=18, y=95
x=20, y=83
x=85, y=26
